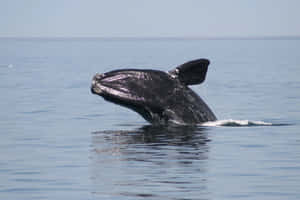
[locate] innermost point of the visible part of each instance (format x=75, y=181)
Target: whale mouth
x=117, y=87
x=110, y=85
x=98, y=84
x=102, y=83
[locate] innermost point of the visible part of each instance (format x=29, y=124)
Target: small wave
x=234, y=123
x=6, y=66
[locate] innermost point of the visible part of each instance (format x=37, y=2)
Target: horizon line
x=266, y=37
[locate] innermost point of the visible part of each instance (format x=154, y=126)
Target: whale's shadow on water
x=148, y=159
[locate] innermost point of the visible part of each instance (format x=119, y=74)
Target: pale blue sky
x=149, y=18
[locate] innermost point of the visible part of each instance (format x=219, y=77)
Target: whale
x=160, y=97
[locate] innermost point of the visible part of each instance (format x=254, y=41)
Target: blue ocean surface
x=60, y=141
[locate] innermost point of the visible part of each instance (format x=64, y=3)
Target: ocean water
x=59, y=141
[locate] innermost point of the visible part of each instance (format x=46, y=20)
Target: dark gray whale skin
x=160, y=97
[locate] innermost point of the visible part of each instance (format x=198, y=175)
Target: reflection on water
x=152, y=161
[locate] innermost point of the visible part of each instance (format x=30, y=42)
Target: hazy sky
x=149, y=18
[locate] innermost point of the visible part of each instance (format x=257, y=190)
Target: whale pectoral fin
x=192, y=72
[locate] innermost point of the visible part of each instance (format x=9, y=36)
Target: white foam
x=232, y=122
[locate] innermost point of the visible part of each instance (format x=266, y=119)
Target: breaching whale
x=159, y=97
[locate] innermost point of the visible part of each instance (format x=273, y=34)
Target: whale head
x=158, y=96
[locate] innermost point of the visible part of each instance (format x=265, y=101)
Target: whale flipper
x=192, y=72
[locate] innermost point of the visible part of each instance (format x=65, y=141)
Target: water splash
x=234, y=123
